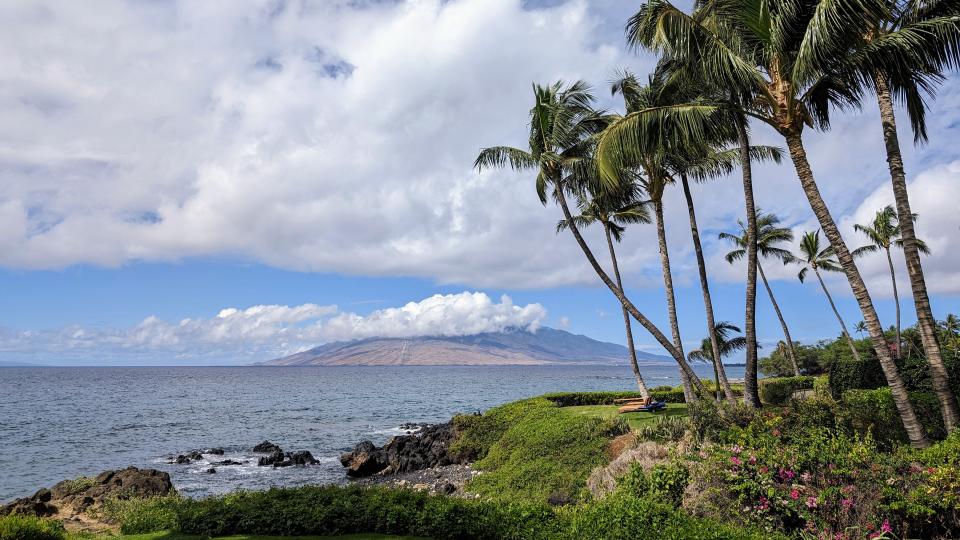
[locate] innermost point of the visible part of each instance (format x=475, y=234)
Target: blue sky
x=309, y=165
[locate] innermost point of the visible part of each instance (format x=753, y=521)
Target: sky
x=229, y=181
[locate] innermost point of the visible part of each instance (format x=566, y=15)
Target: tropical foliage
x=725, y=68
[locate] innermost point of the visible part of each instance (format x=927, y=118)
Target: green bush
x=875, y=411
x=664, y=429
x=779, y=390
x=848, y=374
x=821, y=386
x=624, y=516
x=329, y=510
x=17, y=527
x=713, y=421
x=136, y=515
x=545, y=453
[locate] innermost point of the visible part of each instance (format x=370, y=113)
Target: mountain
x=545, y=346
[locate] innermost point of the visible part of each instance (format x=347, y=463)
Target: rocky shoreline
x=421, y=460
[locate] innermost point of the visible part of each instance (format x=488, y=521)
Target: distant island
x=510, y=347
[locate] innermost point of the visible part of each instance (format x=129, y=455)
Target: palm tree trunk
x=720, y=374
x=896, y=298
x=843, y=326
x=618, y=292
x=644, y=393
x=668, y=289
x=912, y=425
x=925, y=321
x=751, y=395
x=791, y=353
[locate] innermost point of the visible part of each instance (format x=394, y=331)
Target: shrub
x=779, y=390
x=874, y=411
x=821, y=386
x=664, y=428
x=712, y=421
x=332, y=511
x=136, y=515
x=626, y=516
x=849, y=374
x=17, y=527
x=534, y=450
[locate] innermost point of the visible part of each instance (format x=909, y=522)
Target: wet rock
x=266, y=447
x=229, y=462
x=214, y=451
x=211, y=470
x=428, y=447
x=288, y=459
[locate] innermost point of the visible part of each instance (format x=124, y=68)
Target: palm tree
x=817, y=259
x=773, y=58
x=563, y=123
x=614, y=210
x=860, y=327
x=727, y=345
x=929, y=32
x=951, y=324
x=656, y=177
x=884, y=232
x=768, y=236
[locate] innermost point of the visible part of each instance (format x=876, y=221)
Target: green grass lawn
x=635, y=419
x=165, y=535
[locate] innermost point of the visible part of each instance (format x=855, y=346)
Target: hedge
x=849, y=374
x=875, y=411
x=332, y=511
x=779, y=390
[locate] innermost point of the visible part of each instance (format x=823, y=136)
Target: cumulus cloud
x=338, y=136
x=263, y=332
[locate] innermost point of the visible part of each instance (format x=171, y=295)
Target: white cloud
x=338, y=136
x=263, y=332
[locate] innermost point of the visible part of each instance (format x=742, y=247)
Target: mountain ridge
x=510, y=347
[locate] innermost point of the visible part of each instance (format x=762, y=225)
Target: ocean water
x=58, y=423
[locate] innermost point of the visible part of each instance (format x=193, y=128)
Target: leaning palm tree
x=768, y=236
x=563, y=123
x=665, y=91
x=613, y=210
x=929, y=32
x=727, y=346
x=655, y=179
x=817, y=259
x=884, y=232
x=773, y=58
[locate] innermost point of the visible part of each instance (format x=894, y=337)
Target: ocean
x=59, y=423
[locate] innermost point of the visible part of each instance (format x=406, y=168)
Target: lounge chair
x=643, y=405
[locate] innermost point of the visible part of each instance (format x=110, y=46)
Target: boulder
x=214, y=451
x=281, y=459
x=266, y=447
x=75, y=496
x=228, y=462
x=424, y=449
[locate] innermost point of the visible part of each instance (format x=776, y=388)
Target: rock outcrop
x=72, y=497
x=278, y=458
x=429, y=447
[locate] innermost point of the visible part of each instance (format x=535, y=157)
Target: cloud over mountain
x=259, y=332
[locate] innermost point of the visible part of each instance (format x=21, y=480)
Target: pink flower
x=787, y=474
x=736, y=449
x=885, y=527
x=794, y=494
x=847, y=503
x=735, y=460
x=752, y=460
x=805, y=477
x=764, y=469
x=811, y=502
x=776, y=432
